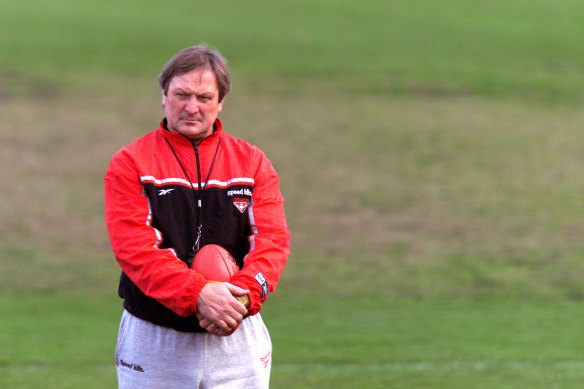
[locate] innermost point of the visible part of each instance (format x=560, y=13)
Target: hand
x=214, y=329
x=218, y=309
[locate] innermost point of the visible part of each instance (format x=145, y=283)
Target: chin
x=195, y=133
x=190, y=130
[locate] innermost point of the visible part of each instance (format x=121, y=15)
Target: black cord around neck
x=198, y=162
x=197, y=244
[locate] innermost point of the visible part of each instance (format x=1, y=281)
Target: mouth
x=191, y=121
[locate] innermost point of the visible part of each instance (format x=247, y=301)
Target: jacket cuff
x=258, y=290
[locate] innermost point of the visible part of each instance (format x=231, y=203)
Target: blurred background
x=429, y=153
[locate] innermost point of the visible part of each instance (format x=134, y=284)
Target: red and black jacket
x=160, y=188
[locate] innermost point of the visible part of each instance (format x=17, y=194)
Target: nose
x=192, y=107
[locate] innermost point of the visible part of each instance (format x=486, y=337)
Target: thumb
x=237, y=291
x=240, y=293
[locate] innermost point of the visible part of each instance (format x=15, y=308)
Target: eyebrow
x=191, y=92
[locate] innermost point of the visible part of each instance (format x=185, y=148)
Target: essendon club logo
x=241, y=204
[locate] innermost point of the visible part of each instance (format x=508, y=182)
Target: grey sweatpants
x=150, y=356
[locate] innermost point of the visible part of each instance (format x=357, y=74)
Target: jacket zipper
x=199, y=201
x=199, y=195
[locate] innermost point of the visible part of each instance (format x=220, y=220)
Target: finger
x=217, y=331
x=240, y=309
x=208, y=325
x=213, y=329
x=236, y=290
x=233, y=309
x=227, y=324
x=223, y=332
x=226, y=333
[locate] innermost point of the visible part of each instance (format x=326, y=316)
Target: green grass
x=460, y=343
x=430, y=156
x=501, y=48
x=67, y=341
x=57, y=341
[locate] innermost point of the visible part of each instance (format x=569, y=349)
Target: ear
x=221, y=104
x=163, y=99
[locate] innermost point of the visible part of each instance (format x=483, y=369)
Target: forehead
x=197, y=80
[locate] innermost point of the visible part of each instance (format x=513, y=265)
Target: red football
x=215, y=263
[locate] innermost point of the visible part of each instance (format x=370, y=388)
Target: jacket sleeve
x=157, y=272
x=270, y=239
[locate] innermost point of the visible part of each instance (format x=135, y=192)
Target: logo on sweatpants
x=262, y=281
x=132, y=366
x=266, y=359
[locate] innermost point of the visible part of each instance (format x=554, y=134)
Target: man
x=168, y=193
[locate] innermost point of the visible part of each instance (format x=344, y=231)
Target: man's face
x=192, y=104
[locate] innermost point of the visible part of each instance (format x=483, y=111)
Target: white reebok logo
x=163, y=192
